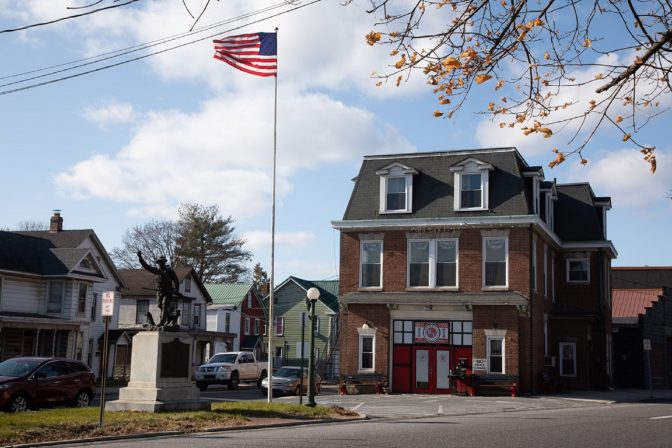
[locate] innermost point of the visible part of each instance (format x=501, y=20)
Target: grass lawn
x=76, y=423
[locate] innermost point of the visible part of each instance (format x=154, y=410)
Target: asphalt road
x=628, y=425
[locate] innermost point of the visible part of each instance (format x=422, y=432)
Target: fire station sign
x=431, y=333
x=108, y=304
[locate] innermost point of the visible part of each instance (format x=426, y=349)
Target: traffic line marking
x=358, y=406
x=440, y=409
x=661, y=417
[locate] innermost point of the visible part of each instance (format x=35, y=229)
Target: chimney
x=56, y=222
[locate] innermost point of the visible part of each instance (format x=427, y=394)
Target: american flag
x=255, y=53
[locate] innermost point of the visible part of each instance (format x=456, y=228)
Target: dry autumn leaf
x=373, y=37
x=480, y=79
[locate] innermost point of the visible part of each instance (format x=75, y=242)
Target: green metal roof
x=228, y=293
x=328, y=290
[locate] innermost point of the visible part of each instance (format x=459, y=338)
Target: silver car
x=287, y=381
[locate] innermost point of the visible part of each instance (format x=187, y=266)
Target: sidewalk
x=616, y=395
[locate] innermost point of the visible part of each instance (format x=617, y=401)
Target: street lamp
x=313, y=295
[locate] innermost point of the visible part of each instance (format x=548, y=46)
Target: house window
x=396, y=188
x=227, y=322
x=371, y=265
x=187, y=284
x=432, y=263
x=568, y=359
x=317, y=324
x=256, y=326
x=94, y=307
x=186, y=313
x=81, y=298
x=553, y=276
x=545, y=270
x=495, y=255
x=197, y=315
x=549, y=211
x=577, y=271
x=403, y=331
x=366, y=354
x=471, y=181
x=249, y=300
x=279, y=326
x=461, y=332
x=1, y=283
x=141, y=310
x=55, y=296
x=534, y=264
x=247, y=325
x=495, y=354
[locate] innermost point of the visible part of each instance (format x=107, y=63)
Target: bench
x=496, y=385
x=549, y=382
x=363, y=383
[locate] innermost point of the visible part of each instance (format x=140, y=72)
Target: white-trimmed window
x=567, y=359
x=279, y=326
x=366, y=353
x=197, y=315
x=495, y=262
x=317, y=324
x=249, y=299
x=186, y=313
x=545, y=270
x=141, y=310
x=578, y=270
x=432, y=263
x=549, y=211
x=553, y=276
x=396, y=188
x=247, y=325
x=227, y=322
x=94, y=305
x=371, y=266
x=496, y=357
x=534, y=263
x=56, y=292
x=187, y=284
x=471, y=185
x=83, y=290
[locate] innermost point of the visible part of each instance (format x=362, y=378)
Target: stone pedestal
x=160, y=375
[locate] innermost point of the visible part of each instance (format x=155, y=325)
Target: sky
x=125, y=145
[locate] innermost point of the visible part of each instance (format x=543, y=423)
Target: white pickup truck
x=230, y=368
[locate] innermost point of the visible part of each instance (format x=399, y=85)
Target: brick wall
x=378, y=317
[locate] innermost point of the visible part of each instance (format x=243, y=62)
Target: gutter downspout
x=532, y=388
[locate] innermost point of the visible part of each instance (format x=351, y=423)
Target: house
x=291, y=316
x=51, y=284
x=138, y=298
x=642, y=310
x=237, y=308
x=473, y=256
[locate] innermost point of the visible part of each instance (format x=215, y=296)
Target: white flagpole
x=271, y=323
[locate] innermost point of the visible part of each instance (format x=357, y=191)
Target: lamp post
x=313, y=295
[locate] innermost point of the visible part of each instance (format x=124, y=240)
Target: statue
x=167, y=294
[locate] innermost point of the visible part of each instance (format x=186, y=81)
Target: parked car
x=230, y=368
x=287, y=381
x=35, y=381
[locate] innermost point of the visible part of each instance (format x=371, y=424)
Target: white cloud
x=625, y=177
x=223, y=153
x=110, y=112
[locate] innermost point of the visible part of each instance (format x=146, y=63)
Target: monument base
x=160, y=375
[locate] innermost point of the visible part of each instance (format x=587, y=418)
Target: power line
x=105, y=67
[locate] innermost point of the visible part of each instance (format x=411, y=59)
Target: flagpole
x=271, y=323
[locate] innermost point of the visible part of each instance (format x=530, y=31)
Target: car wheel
x=202, y=386
x=234, y=381
x=261, y=378
x=18, y=403
x=83, y=399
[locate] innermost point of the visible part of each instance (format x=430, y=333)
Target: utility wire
x=125, y=51
x=76, y=75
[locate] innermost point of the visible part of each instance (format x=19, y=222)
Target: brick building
x=473, y=255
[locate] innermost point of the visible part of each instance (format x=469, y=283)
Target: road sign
x=647, y=344
x=108, y=304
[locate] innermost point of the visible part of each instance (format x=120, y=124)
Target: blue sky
x=126, y=145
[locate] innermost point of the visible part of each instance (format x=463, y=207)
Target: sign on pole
x=108, y=304
x=647, y=344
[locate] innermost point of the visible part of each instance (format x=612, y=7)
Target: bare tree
x=29, y=226
x=154, y=239
x=539, y=56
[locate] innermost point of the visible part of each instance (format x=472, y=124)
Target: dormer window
x=471, y=184
x=396, y=188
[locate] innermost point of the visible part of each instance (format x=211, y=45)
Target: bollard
x=514, y=390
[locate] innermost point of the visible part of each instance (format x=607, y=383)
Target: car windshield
x=224, y=357
x=17, y=367
x=287, y=373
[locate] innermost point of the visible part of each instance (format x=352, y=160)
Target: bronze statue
x=167, y=294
